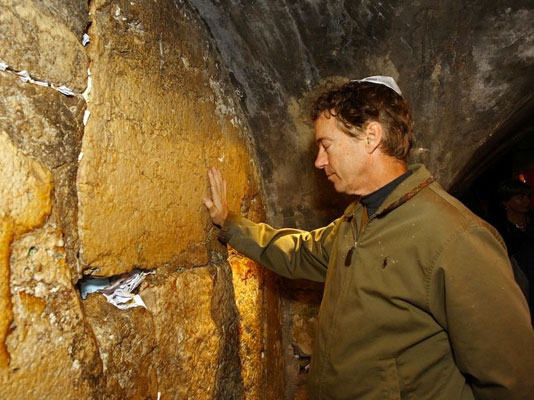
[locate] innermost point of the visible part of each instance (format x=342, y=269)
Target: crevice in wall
x=229, y=380
x=25, y=77
x=88, y=33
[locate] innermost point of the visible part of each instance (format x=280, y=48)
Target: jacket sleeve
x=473, y=295
x=291, y=253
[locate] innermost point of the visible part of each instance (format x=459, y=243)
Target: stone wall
x=109, y=177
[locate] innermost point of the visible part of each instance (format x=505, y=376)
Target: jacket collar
x=418, y=180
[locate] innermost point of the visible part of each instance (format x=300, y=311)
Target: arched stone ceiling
x=464, y=67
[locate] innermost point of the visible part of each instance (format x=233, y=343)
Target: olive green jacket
x=426, y=309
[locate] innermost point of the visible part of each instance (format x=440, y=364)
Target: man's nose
x=322, y=160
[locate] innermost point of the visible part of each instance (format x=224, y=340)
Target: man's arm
x=473, y=295
x=289, y=252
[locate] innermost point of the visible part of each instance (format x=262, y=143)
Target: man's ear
x=373, y=136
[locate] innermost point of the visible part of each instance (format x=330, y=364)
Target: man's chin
x=339, y=188
x=343, y=189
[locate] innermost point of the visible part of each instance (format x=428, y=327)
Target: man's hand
x=217, y=206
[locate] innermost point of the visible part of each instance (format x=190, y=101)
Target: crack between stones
x=80, y=265
x=91, y=6
x=25, y=77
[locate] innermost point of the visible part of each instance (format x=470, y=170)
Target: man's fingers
x=211, y=178
x=216, y=204
x=212, y=174
x=218, y=185
x=213, y=183
x=218, y=180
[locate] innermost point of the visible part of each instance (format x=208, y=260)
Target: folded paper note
x=118, y=291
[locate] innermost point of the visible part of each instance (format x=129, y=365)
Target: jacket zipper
x=364, y=221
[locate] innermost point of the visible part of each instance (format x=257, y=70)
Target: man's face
x=343, y=158
x=519, y=203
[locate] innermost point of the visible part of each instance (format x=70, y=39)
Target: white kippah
x=382, y=80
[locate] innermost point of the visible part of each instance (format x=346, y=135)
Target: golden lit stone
x=25, y=204
x=247, y=277
x=155, y=127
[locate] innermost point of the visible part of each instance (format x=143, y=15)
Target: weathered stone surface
x=173, y=347
x=44, y=38
x=47, y=126
x=6, y=310
x=187, y=344
x=72, y=13
x=248, y=287
x=52, y=352
x=127, y=347
x=150, y=138
x=48, y=346
x=188, y=338
x=49, y=352
x=25, y=204
x=26, y=195
x=229, y=381
x=159, y=117
x=304, y=313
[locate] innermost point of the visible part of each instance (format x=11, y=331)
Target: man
x=516, y=227
x=420, y=301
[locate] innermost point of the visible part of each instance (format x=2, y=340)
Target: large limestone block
x=172, y=347
x=189, y=340
x=25, y=203
x=52, y=351
x=47, y=126
x=25, y=188
x=45, y=38
x=46, y=349
x=159, y=118
x=127, y=346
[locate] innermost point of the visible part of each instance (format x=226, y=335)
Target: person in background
x=516, y=226
x=420, y=301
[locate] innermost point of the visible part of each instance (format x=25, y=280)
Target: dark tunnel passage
x=507, y=154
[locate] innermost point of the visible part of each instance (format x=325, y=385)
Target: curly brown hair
x=354, y=104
